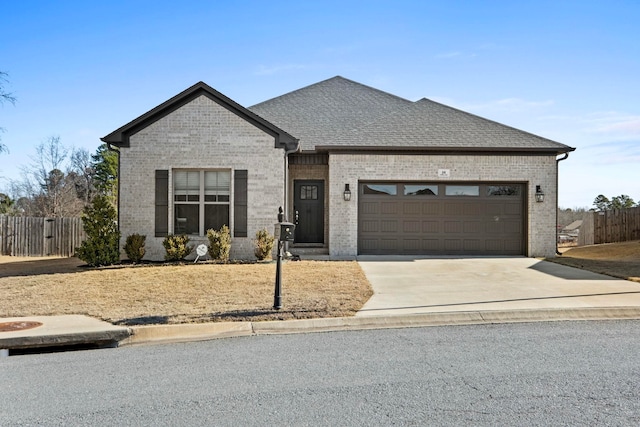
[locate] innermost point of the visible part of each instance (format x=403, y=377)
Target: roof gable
x=120, y=137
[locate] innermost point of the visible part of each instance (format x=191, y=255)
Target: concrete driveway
x=405, y=285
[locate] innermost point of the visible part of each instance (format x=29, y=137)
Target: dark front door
x=308, y=205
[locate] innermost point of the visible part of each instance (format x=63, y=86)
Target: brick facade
x=200, y=135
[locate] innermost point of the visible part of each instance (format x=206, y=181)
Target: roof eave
x=444, y=150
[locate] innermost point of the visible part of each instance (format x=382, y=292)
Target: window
x=380, y=189
x=308, y=192
x=462, y=190
x=201, y=200
x=420, y=190
x=503, y=190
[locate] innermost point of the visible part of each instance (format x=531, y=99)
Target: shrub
x=264, y=245
x=101, y=246
x=177, y=247
x=134, y=247
x=219, y=243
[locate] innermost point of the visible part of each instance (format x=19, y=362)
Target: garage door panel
x=512, y=209
x=494, y=226
x=493, y=245
x=431, y=208
x=389, y=208
x=513, y=247
x=511, y=226
x=411, y=245
x=370, y=226
x=430, y=227
x=389, y=226
x=430, y=245
x=412, y=208
x=472, y=227
x=369, y=208
x=494, y=209
x=471, y=209
x=412, y=227
x=453, y=245
x=472, y=245
x=389, y=244
x=453, y=227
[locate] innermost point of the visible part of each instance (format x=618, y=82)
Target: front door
x=308, y=205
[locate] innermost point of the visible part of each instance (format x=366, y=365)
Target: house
x=571, y=232
x=360, y=171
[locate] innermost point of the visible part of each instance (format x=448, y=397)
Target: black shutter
x=162, y=203
x=240, y=203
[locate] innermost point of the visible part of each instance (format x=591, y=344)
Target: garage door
x=441, y=218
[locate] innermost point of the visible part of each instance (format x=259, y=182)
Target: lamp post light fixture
x=539, y=194
x=347, y=193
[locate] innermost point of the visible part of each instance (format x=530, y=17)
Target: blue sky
x=565, y=70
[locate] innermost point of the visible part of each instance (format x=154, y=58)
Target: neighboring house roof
x=573, y=226
x=340, y=114
x=120, y=137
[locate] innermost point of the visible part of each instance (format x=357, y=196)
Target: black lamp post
x=277, y=297
x=284, y=232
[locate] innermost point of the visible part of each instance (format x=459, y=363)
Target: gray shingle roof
x=342, y=114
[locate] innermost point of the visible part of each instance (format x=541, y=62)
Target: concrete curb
x=186, y=332
x=209, y=331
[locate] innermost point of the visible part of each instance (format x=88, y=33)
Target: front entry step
x=310, y=253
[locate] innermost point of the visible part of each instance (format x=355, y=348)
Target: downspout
x=566, y=155
x=286, y=189
x=286, y=180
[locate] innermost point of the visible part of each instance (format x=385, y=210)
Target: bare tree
x=82, y=173
x=4, y=97
x=48, y=190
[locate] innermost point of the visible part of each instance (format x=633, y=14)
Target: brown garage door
x=441, y=218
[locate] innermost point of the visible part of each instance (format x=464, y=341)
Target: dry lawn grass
x=188, y=293
x=614, y=259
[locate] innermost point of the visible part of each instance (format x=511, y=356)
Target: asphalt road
x=557, y=373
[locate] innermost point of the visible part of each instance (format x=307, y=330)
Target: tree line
x=61, y=181
x=600, y=204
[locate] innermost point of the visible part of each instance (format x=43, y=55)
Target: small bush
x=264, y=245
x=219, y=243
x=101, y=246
x=177, y=247
x=134, y=247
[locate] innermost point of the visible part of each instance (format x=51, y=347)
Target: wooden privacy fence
x=618, y=225
x=27, y=236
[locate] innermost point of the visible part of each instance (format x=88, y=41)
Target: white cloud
x=624, y=126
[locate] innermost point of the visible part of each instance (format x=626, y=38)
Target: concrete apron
x=409, y=285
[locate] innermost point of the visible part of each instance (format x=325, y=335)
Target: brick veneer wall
x=353, y=168
x=200, y=135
